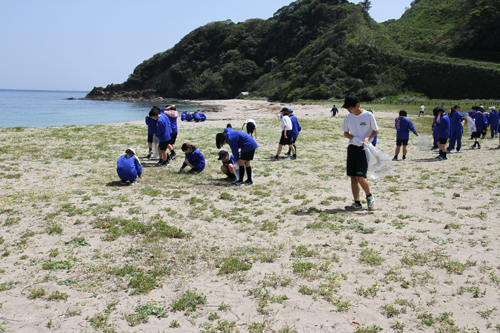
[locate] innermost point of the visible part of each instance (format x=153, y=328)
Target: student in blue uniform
x=228, y=164
x=172, y=114
x=243, y=148
x=457, y=128
x=194, y=158
x=203, y=116
x=184, y=116
x=151, y=133
x=494, y=118
x=295, y=133
x=442, y=132
x=403, y=127
x=163, y=133
x=480, y=121
x=197, y=117
x=128, y=167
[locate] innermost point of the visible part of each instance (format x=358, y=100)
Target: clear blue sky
x=76, y=45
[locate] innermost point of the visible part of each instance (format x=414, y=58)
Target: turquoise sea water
x=35, y=108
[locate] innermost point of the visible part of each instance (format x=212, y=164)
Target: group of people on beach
x=359, y=127
x=197, y=116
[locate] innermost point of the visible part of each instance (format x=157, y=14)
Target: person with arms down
x=334, y=111
x=442, y=132
x=403, y=127
x=163, y=133
x=296, y=128
x=194, y=158
x=360, y=127
x=494, y=118
x=286, y=135
x=129, y=167
x=480, y=121
x=171, y=112
x=243, y=148
x=151, y=133
x=251, y=127
x=457, y=128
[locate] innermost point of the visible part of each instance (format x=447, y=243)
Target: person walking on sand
x=295, y=134
x=442, y=132
x=286, y=135
x=251, y=127
x=243, y=148
x=422, y=110
x=403, y=127
x=360, y=127
x=457, y=128
x=128, y=168
x=334, y=111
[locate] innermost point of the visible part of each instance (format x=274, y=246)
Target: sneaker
x=478, y=146
x=135, y=182
x=498, y=147
x=288, y=154
x=293, y=157
x=172, y=157
x=123, y=182
x=434, y=148
x=370, y=201
x=193, y=172
x=159, y=164
x=231, y=178
x=404, y=158
x=354, y=206
x=438, y=157
x=442, y=158
x=274, y=158
x=150, y=154
x=248, y=182
x=238, y=183
x=395, y=159
x=473, y=147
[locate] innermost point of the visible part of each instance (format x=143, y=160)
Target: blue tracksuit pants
x=456, y=135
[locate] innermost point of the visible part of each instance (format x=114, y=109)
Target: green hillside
x=320, y=49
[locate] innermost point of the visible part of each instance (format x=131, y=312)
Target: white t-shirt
x=251, y=121
x=286, y=121
x=422, y=108
x=361, y=126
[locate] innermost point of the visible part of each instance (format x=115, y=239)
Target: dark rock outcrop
x=116, y=92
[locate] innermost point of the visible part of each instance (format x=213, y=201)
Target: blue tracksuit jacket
x=240, y=140
x=196, y=158
x=403, y=127
x=163, y=128
x=128, y=168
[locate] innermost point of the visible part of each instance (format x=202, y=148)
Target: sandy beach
x=192, y=253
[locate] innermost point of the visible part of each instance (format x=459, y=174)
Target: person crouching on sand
x=128, y=167
x=194, y=158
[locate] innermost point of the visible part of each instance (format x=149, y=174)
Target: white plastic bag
x=471, y=124
x=156, y=142
x=424, y=143
x=379, y=163
x=236, y=170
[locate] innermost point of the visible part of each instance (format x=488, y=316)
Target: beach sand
x=426, y=259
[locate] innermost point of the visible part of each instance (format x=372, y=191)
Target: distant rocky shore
x=116, y=92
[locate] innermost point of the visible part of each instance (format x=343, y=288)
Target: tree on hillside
x=366, y=4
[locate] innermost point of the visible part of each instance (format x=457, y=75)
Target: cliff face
x=319, y=49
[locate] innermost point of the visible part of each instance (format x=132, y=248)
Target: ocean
x=37, y=108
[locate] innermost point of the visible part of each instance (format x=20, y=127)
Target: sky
x=76, y=45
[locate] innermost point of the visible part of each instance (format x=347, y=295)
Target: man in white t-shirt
x=251, y=127
x=422, y=110
x=359, y=127
x=286, y=135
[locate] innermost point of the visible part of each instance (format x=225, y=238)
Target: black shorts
x=288, y=140
x=163, y=145
x=250, y=128
x=294, y=139
x=357, y=165
x=476, y=134
x=247, y=156
x=150, y=138
x=442, y=141
x=401, y=142
x=173, y=137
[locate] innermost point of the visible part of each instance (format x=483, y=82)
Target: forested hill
x=319, y=49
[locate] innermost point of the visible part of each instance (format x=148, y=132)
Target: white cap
x=132, y=149
x=492, y=108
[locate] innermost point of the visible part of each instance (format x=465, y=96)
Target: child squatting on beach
x=403, y=127
x=360, y=127
x=228, y=164
x=128, y=167
x=243, y=148
x=194, y=158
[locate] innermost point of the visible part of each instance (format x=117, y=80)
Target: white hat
x=132, y=150
x=492, y=108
